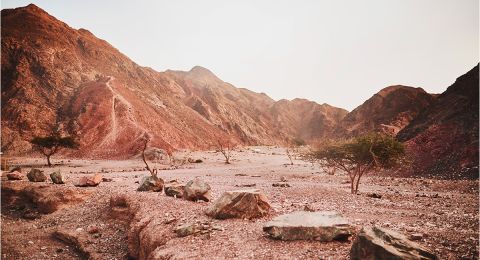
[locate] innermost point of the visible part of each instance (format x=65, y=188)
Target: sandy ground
x=445, y=212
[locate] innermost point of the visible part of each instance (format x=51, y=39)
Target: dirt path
x=446, y=212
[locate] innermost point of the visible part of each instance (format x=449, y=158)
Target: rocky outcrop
x=322, y=226
x=379, y=243
x=197, y=189
x=44, y=199
x=443, y=139
x=36, y=175
x=245, y=204
x=388, y=111
x=80, y=240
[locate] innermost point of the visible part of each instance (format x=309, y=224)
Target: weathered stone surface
x=379, y=243
x=41, y=198
x=14, y=176
x=36, y=175
x=186, y=230
x=240, y=204
x=91, y=181
x=197, y=189
x=79, y=240
x=57, y=177
x=151, y=183
x=302, y=225
x=175, y=189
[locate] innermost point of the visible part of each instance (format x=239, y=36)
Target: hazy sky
x=335, y=52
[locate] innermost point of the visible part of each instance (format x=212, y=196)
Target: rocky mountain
x=443, y=139
x=388, y=111
x=58, y=78
x=306, y=120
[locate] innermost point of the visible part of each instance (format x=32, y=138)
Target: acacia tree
x=51, y=144
x=361, y=155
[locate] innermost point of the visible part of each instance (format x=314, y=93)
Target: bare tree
x=226, y=147
x=146, y=140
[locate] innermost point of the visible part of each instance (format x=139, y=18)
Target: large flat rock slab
x=240, y=204
x=303, y=225
x=379, y=243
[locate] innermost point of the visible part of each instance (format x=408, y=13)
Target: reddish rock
x=13, y=176
x=197, y=189
x=240, y=204
x=89, y=181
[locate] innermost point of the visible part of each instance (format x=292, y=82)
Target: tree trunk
x=358, y=182
x=48, y=161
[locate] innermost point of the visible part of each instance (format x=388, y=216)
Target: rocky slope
x=56, y=77
x=388, y=111
x=443, y=139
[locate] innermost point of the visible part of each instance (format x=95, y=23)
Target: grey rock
x=36, y=175
x=380, y=243
x=302, y=225
x=174, y=189
x=151, y=183
x=197, y=189
x=240, y=204
x=57, y=177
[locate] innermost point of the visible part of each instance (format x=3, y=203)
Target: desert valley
x=183, y=165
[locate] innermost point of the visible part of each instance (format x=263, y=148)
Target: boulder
x=197, y=189
x=381, y=243
x=57, y=177
x=322, y=226
x=36, y=175
x=14, y=176
x=90, y=181
x=151, y=183
x=240, y=204
x=174, y=189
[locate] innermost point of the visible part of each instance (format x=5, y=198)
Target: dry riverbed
x=444, y=213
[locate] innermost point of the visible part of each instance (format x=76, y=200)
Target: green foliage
x=53, y=141
x=360, y=155
x=50, y=145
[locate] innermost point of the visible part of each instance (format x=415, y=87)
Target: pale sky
x=335, y=52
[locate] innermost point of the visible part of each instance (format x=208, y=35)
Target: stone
x=374, y=195
x=14, y=176
x=281, y=184
x=186, y=230
x=151, y=183
x=174, y=189
x=197, y=189
x=36, y=175
x=90, y=181
x=321, y=226
x=245, y=204
x=416, y=236
x=57, y=177
x=107, y=179
x=381, y=243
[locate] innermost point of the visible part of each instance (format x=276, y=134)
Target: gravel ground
x=445, y=212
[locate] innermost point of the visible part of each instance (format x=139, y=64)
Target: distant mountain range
x=56, y=77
